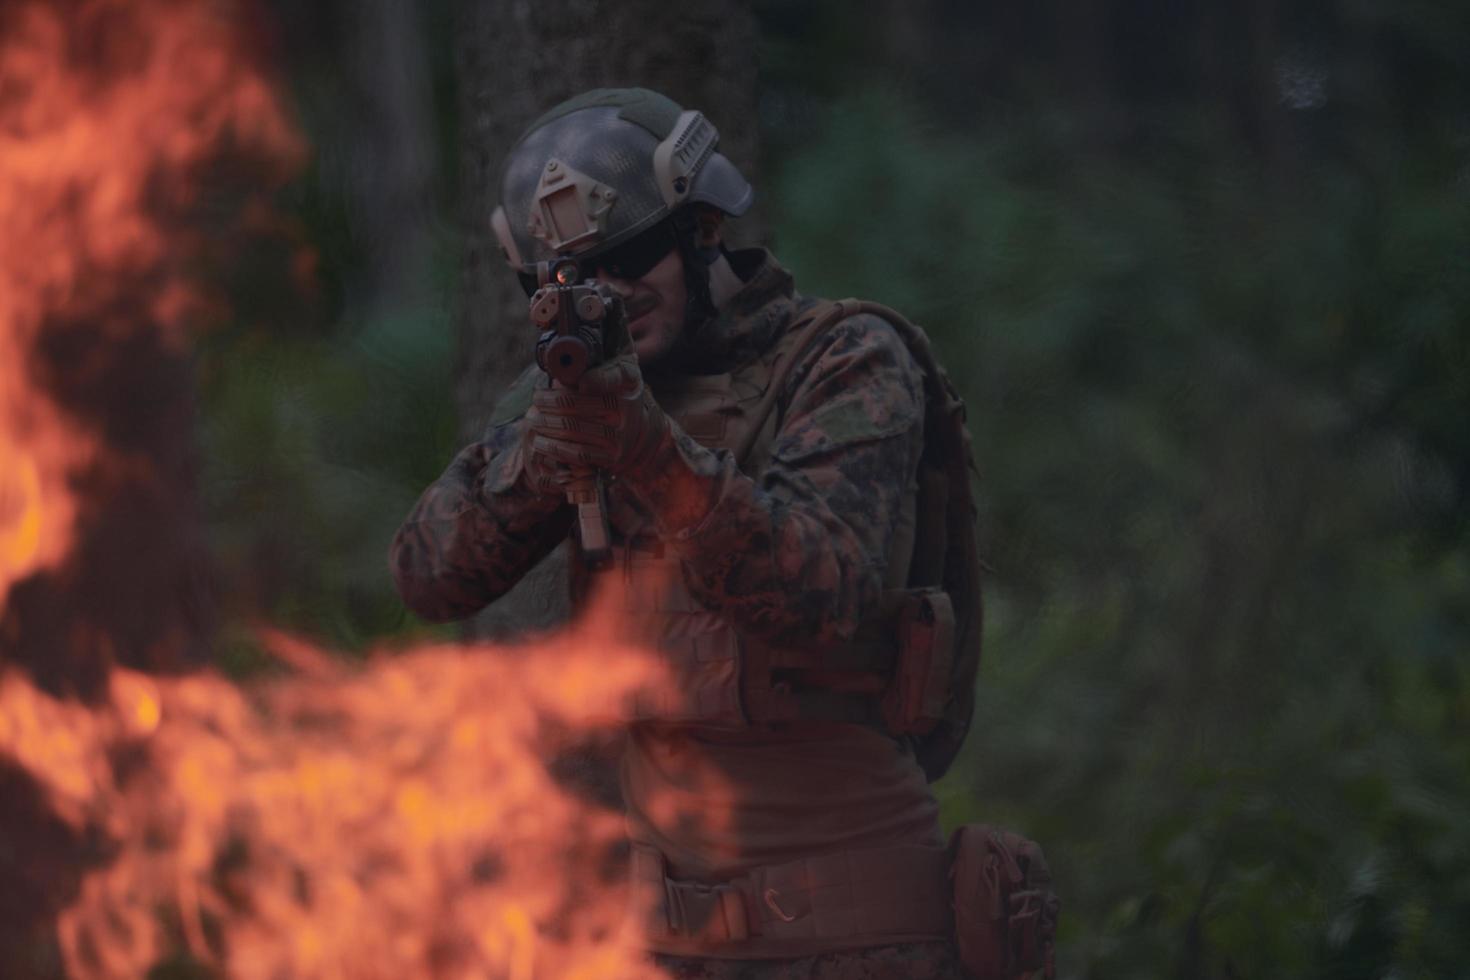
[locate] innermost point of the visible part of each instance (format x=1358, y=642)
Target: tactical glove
x=609, y=422
x=544, y=474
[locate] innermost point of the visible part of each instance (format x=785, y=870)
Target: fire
x=388, y=821
x=20, y=511
x=98, y=101
x=393, y=819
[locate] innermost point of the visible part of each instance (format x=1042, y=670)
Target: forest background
x=1201, y=271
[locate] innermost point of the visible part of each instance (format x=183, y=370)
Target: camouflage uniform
x=794, y=556
x=794, y=553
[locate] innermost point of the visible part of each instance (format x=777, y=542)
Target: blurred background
x=1201, y=271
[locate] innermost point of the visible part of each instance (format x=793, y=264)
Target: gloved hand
x=609, y=421
x=545, y=475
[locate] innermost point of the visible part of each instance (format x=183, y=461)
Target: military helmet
x=598, y=169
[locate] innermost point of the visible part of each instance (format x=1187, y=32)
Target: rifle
x=582, y=325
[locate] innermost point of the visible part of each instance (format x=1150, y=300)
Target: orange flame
x=101, y=99
x=389, y=820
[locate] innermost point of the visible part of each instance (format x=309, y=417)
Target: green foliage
x=1222, y=451
x=317, y=435
x=326, y=403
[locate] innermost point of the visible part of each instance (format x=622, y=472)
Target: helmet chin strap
x=699, y=305
x=723, y=282
x=703, y=279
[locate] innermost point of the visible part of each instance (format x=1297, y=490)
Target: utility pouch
x=1005, y=910
x=919, y=689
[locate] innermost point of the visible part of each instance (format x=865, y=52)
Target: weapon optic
x=581, y=324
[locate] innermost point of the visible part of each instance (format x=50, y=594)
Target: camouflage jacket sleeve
x=799, y=552
x=479, y=527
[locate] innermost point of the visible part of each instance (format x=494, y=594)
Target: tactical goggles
x=630, y=260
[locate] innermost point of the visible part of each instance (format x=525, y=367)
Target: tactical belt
x=832, y=901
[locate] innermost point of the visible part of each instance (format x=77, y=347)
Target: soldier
x=762, y=448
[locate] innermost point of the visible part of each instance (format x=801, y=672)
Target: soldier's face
x=655, y=305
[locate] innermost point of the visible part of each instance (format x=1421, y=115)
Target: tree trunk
x=389, y=156
x=373, y=130
x=516, y=60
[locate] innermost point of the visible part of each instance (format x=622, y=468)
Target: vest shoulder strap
x=800, y=337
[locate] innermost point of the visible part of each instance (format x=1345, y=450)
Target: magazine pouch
x=1005, y=910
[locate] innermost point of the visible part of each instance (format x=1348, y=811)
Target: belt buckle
x=719, y=909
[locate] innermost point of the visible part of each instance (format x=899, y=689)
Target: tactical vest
x=911, y=667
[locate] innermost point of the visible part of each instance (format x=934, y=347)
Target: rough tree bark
x=515, y=60
x=388, y=156
x=373, y=134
